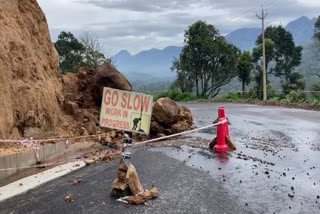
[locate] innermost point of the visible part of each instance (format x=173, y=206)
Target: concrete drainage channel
x=18, y=161
x=27, y=158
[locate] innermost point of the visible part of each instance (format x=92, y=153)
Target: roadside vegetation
x=207, y=63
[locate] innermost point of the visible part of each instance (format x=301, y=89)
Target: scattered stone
x=142, y=198
x=231, y=143
x=90, y=162
x=290, y=195
x=76, y=181
x=212, y=143
x=69, y=198
x=127, y=182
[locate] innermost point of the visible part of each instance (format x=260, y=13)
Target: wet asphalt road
x=275, y=169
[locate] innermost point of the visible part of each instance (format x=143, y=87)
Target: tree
x=317, y=29
x=257, y=52
x=281, y=51
x=244, y=69
x=70, y=52
x=93, y=56
x=284, y=53
x=207, y=58
x=183, y=82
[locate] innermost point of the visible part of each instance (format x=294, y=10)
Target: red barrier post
x=222, y=131
x=222, y=114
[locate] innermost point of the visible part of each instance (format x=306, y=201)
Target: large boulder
x=108, y=76
x=165, y=111
x=169, y=118
x=31, y=86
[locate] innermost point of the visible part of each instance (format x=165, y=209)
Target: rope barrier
x=47, y=140
x=175, y=135
x=128, y=145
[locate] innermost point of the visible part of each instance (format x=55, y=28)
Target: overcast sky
x=137, y=25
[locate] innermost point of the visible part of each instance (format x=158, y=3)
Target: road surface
x=274, y=170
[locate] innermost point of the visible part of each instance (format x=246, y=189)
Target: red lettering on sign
x=106, y=97
x=136, y=102
x=124, y=100
x=125, y=114
x=115, y=95
x=145, y=103
x=129, y=107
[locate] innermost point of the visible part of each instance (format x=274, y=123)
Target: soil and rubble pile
x=170, y=118
x=31, y=87
x=83, y=94
x=37, y=101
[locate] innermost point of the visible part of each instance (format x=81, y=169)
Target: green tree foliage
x=282, y=52
x=93, y=56
x=208, y=59
x=317, y=29
x=294, y=83
x=184, y=81
x=244, y=69
x=70, y=52
x=257, y=52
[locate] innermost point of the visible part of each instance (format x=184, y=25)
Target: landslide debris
x=170, y=118
x=31, y=87
x=83, y=94
x=128, y=188
x=37, y=101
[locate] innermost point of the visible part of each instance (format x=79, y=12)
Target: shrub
x=296, y=96
x=232, y=95
x=315, y=91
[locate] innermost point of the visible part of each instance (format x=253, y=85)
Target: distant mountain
x=153, y=62
x=153, y=65
x=244, y=38
x=301, y=29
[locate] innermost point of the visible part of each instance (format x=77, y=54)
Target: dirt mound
x=31, y=87
x=169, y=118
x=83, y=95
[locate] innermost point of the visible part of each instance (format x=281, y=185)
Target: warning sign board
x=124, y=110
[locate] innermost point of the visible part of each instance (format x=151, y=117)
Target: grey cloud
x=163, y=22
x=142, y=5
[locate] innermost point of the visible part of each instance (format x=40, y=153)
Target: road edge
x=34, y=181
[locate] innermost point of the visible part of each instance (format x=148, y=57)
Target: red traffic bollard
x=222, y=132
x=221, y=113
